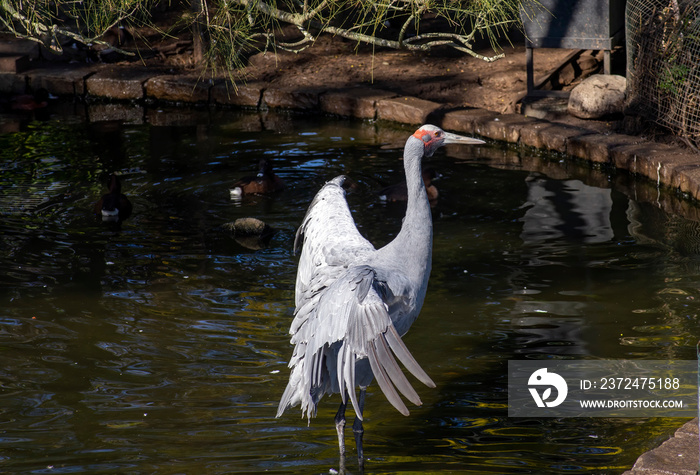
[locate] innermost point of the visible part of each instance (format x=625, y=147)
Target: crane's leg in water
x=359, y=431
x=340, y=428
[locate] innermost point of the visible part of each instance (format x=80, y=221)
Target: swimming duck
x=264, y=182
x=113, y=206
x=398, y=192
x=30, y=102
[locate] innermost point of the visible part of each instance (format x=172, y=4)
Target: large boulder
x=598, y=96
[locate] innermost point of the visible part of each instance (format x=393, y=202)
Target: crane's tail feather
x=386, y=387
x=286, y=401
x=299, y=389
x=345, y=367
x=400, y=350
x=341, y=368
x=349, y=373
x=392, y=369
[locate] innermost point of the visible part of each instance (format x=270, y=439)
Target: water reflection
x=569, y=209
x=161, y=345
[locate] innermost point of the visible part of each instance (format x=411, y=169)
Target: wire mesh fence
x=663, y=63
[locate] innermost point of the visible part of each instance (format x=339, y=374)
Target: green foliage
x=231, y=28
x=98, y=16
x=673, y=77
x=242, y=25
x=46, y=21
x=230, y=35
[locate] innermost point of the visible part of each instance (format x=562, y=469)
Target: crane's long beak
x=460, y=139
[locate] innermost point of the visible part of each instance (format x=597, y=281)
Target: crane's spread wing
x=335, y=327
x=329, y=238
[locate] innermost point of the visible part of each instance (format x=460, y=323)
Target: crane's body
x=354, y=302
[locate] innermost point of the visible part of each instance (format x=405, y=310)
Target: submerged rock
x=251, y=233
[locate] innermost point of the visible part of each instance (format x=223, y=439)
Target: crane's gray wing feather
x=334, y=330
x=329, y=239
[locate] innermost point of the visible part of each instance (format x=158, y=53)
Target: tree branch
x=453, y=40
x=48, y=35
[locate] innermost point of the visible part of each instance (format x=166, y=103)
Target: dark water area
x=160, y=344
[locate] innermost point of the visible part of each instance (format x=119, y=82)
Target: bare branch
x=48, y=35
x=416, y=43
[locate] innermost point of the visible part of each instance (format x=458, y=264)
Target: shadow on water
x=160, y=344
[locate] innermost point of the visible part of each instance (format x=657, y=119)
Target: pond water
x=160, y=345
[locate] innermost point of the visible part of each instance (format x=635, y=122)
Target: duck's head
x=264, y=168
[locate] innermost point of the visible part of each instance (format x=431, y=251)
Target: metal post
x=529, y=68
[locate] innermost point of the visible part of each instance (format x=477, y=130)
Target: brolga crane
x=354, y=302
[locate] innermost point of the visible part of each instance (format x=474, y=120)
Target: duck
x=29, y=102
x=114, y=206
x=399, y=192
x=263, y=183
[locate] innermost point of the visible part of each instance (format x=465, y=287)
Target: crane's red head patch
x=426, y=135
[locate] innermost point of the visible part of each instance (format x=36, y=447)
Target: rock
x=178, y=88
x=598, y=96
x=250, y=232
x=358, y=102
x=291, y=98
x=588, y=63
x=678, y=455
x=14, y=63
x=407, y=110
x=242, y=95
